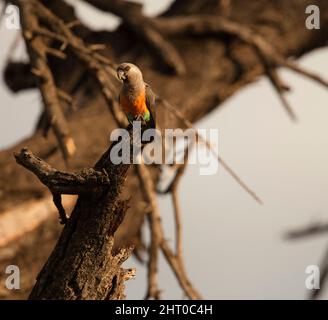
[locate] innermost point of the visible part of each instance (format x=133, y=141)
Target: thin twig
x=283, y=99
x=57, y=199
x=306, y=73
x=308, y=231
x=279, y=86
x=153, y=291
x=153, y=214
x=174, y=262
x=177, y=212
x=176, y=205
x=188, y=124
x=178, y=221
x=67, y=98
x=323, y=268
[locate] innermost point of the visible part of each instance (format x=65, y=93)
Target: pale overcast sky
x=234, y=248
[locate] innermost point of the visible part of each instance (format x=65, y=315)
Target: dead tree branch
x=314, y=229
x=83, y=264
x=176, y=205
x=308, y=231
x=102, y=68
x=207, y=24
x=323, y=267
x=271, y=59
x=173, y=260
x=82, y=182
x=38, y=52
x=143, y=27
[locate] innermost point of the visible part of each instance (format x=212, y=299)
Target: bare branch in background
x=200, y=25
x=308, y=231
x=173, y=260
x=312, y=230
x=176, y=205
x=100, y=66
x=188, y=124
x=143, y=27
x=38, y=58
x=323, y=267
x=279, y=86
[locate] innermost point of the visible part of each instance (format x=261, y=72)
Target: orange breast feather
x=136, y=107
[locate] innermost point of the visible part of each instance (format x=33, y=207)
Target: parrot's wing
x=150, y=102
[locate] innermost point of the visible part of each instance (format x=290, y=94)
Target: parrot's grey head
x=129, y=73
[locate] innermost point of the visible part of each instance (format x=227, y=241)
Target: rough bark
x=84, y=264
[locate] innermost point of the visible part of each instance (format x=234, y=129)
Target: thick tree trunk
x=84, y=264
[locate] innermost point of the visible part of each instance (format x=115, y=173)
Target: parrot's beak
x=121, y=74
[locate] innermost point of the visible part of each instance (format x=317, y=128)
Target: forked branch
x=83, y=264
